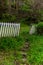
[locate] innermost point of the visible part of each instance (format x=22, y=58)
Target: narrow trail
x=24, y=55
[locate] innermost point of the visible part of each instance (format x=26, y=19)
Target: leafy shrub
x=8, y=18
x=40, y=28
x=25, y=7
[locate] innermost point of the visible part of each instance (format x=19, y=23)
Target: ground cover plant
x=11, y=43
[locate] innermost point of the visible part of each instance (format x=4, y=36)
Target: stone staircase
x=23, y=52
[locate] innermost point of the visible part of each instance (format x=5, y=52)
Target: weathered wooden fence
x=9, y=29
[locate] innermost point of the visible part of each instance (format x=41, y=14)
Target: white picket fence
x=9, y=29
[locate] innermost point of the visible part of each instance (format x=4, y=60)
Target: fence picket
x=9, y=29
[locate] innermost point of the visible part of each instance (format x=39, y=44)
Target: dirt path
x=24, y=55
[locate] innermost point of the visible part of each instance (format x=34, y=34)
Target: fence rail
x=9, y=29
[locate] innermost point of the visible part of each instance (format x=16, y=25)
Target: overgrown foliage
x=8, y=18
x=40, y=28
x=30, y=10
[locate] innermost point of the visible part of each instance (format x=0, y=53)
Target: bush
x=8, y=18
x=40, y=28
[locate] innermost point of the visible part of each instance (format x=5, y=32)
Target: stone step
x=23, y=53
x=25, y=46
x=16, y=62
x=24, y=56
x=27, y=43
x=24, y=49
x=24, y=60
x=23, y=64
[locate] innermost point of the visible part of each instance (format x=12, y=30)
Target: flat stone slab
x=23, y=53
x=24, y=49
x=24, y=59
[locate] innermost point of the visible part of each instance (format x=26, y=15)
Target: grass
x=35, y=52
x=7, y=58
x=11, y=43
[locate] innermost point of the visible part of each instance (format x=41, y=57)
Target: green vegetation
x=40, y=28
x=11, y=43
x=8, y=18
x=7, y=58
x=25, y=12
x=35, y=52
